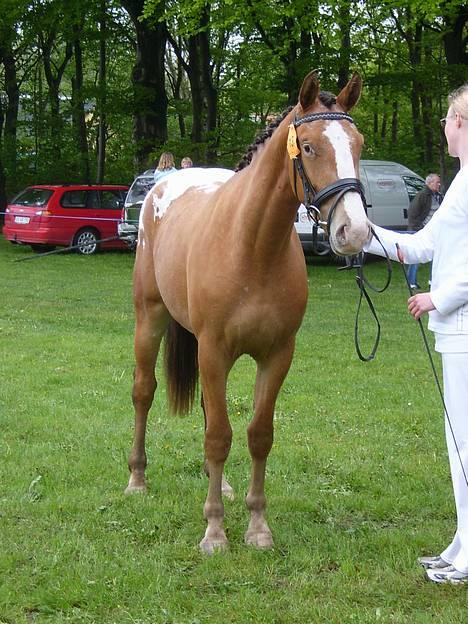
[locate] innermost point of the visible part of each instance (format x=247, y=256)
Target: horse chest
x=258, y=322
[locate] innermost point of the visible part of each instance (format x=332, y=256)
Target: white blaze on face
x=341, y=143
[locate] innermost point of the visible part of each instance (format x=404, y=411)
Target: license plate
x=21, y=219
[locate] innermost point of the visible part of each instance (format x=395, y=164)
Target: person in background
x=165, y=167
x=444, y=240
x=420, y=212
x=186, y=162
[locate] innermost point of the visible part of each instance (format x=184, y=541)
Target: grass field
x=357, y=483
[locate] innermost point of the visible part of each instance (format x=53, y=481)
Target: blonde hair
x=458, y=100
x=166, y=161
x=186, y=162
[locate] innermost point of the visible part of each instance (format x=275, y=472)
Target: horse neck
x=269, y=212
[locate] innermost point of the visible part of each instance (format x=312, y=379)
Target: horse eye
x=307, y=149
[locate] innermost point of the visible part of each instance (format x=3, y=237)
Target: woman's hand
x=420, y=304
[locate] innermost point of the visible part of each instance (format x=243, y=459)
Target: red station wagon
x=45, y=216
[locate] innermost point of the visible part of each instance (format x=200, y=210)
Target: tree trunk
x=196, y=88
x=3, y=196
x=54, y=80
x=79, y=120
x=102, y=129
x=414, y=41
x=209, y=91
x=148, y=78
x=175, y=74
x=8, y=123
x=204, y=93
x=344, y=22
x=455, y=40
x=394, y=122
x=383, y=125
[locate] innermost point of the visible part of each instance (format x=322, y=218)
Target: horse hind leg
x=151, y=322
x=270, y=376
x=226, y=489
x=218, y=437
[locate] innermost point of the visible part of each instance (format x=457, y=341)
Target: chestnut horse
x=219, y=269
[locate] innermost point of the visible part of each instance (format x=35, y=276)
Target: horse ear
x=309, y=90
x=349, y=95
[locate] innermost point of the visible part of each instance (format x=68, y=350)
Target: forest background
x=94, y=90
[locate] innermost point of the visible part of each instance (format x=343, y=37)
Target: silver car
x=127, y=227
x=388, y=186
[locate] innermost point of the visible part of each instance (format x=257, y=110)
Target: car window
x=139, y=189
x=413, y=185
x=93, y=200
x=33, y=197
x=74, y=199
x=111, y=199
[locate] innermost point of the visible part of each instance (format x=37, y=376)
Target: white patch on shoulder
x=204, y=180
x=341, y=143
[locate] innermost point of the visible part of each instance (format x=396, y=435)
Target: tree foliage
x=96, y=89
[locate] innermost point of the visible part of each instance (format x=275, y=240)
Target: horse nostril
x=341, y=234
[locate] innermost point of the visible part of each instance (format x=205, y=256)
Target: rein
x=362, y=282
x=312, y=202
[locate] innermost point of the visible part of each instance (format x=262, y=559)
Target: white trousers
x=455, y=367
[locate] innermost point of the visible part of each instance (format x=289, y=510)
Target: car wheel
x=86, y=242
x=38, y=248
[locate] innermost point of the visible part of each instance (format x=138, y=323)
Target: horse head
x=324, y=147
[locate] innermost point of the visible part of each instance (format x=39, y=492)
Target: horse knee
x=143, y=390
x=218, y=444
x=260, y=440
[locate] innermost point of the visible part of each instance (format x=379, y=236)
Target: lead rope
x=436, y=377
x=65, y=249
x=362, y=282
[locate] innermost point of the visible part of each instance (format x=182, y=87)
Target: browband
x=317, y=116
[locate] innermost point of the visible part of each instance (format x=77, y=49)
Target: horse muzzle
x=349, y=229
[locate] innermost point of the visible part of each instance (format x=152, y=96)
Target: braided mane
x=326, y=98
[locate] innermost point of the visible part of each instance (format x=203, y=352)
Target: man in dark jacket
x=420, y=211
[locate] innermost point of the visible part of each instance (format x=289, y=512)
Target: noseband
x=312, y=198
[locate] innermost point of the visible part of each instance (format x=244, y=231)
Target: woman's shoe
x=433, y=563
x=447, y=575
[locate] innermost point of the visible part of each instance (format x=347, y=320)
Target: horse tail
x=181, y=366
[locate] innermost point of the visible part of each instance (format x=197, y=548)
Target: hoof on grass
x=262, y=540
x=210, y=546
x=135, y=489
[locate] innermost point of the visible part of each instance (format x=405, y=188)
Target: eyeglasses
x=443, y=121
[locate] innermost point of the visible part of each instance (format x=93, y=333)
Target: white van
x=389, y=187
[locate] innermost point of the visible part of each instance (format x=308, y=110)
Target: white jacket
x=444, y=240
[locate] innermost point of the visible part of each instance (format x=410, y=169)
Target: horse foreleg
x=218, y=437
x=270, y=376
x=151, y=322
x=226, y=489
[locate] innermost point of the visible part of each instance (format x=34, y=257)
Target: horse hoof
x=135, y=489
x=262, y=540
x=210, y=546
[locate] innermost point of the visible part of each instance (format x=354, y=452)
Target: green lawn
x=358, y=483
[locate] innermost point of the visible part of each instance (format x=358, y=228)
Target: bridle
x=313, y=199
